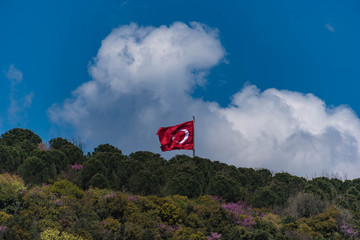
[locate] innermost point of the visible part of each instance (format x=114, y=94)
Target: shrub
x=53, y=234
x=66, y=188
x=305, y=205
x=11, y=187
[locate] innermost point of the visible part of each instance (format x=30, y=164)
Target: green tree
x=265, y=197
x=153, y=163
x=35, y=170
x=66, y=188
x=112, y=161
x=11, y=187
x=188, y=234
x=54, y=234
x=17, y=135
x=185, y=183
x=73, y=153
x=225, y=187
x=285, y=185
x=92, y=167
x=24, y=139
x=144, y=182
x=239, y=232
x=10, y=159
x=106, y=148
x=124, y=171
x=53, y=158
x=184, y=177
x=322, y=187
x=148, y=160
x=99, y=181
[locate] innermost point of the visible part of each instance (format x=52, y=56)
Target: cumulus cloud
x=294, y=132
x=143, y=77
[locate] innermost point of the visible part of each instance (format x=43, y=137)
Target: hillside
x=60, y=193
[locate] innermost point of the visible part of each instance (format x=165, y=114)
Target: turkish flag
x=177, y=137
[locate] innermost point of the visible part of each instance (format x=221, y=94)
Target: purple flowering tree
x=348, y=231
x=77, y=167
x=242, y=213
x=214, y=236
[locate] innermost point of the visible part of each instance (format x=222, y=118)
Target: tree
x=184, y=183
x=17, y=135
x=99, y=181
x=92, y=167
x=35, y=170
x=151, y=162
x=147, y=159
x=73, y=153
x=285, y=185
x=54, y=234
x=109, y=163
x=125, y=170
x=10, y=159
x=265, y=197
x=66, y=188
x=11, y=187
x=106, y=148
x=184, y=177
x=53, y=157
x=305, y=205
x=322, y=187
x=144, y=182
x=24, y=139
x=225, y=187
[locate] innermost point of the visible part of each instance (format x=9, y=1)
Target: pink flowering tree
x=348, y=231
x=77, y=167
x=214, y=236
x=242, y=213
x=167, y=231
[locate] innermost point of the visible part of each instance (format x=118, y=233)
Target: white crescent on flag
x=185, y=137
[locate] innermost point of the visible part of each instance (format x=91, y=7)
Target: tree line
x=144, y=196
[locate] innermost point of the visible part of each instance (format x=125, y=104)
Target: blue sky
x=280, y=54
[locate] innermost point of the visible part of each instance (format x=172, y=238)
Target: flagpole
x=193, y=136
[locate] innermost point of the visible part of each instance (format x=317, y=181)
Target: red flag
x=177, y=137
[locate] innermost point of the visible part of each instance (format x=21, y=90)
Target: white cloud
x=139, y=70
x=142, y=79
x=19, y=105
x=294, y=132
x=329, y=27
x=13, y=74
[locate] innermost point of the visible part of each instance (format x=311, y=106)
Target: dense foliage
x=57, y=192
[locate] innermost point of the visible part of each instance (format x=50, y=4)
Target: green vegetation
x=60, y=193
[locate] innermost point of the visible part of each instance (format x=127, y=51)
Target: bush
x=188, y=234
x=66, y=188
x=305, y=205
x=53, y=234
x=11, y=187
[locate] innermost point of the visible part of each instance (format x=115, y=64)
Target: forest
x=55, y=191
